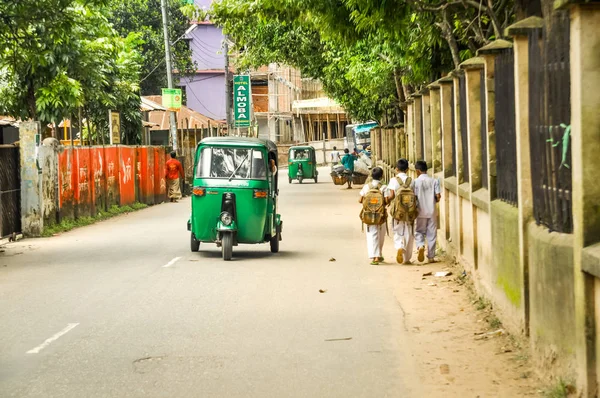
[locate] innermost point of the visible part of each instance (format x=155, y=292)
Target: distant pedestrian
x=334, y=157
x=374, y=215
x=348, y=162
x=403, y=226
x=427, y=191
x=173, y=171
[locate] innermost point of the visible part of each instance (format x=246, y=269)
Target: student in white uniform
x=427, y=190
x=403, y=231
x=375, y=233
x=335, y=157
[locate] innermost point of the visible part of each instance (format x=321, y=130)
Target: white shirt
x=426, y=188
x=373, y=184
x=335, y=156
x=394, y=185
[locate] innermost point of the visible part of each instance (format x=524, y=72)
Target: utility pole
x=172, y=123
x=228, y=94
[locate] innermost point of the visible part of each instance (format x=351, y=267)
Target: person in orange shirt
x=172, y=173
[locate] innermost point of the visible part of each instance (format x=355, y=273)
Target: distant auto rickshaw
x=234, y=194
x=302, y=164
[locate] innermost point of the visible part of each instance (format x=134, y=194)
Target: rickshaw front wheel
x=275, y=242
x=316, y=180
x=227, y=246
x=194, y=244
x=290, y=179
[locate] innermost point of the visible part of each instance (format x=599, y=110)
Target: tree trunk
x=446, y=28
x=398, y=81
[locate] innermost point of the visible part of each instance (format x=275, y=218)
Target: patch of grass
x=494, y=322
x=482, y=303
x=561, y=389
x=67, y=225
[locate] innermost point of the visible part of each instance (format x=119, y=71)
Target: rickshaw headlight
x=226, y=219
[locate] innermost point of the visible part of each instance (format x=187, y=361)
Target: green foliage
x=145, y=18
x=367, y=53
x=58, y=57
x=561, y=389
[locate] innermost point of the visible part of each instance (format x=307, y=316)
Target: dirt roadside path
x=452, y=331
x=454, y=334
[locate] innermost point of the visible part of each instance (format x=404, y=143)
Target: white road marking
x=46, y=343
x=171, y=262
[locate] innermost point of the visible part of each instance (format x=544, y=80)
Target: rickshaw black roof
x=241, y=141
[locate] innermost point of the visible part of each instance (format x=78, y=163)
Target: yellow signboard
x=114, y=126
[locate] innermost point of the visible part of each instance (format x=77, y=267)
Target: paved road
x=95, y=312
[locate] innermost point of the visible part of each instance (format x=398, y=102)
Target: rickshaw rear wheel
x=275, y=242
x=290, y=179
x=227, y=246
x=194, y=244
x=316, y=180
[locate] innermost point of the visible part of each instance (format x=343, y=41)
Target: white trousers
x=426, y=229
x=375, y=240
x=403, y=238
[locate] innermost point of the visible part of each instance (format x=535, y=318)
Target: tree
x=145, y=18
x=364, y=50
x=60, y=56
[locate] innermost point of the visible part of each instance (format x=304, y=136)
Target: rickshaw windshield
x=299, y=154
x=231, y=163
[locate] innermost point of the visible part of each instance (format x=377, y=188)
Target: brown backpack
x=373, y=211
x=405, y=204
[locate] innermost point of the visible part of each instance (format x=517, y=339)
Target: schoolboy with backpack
x=374, y=215
x=403, y=211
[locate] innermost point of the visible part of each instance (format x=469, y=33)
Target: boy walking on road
x=372, y=196
x=335, y=157
x=403, y=229
x=427, y=191
x=348, y=162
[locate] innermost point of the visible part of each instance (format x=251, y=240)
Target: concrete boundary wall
x=544, y=285
x=84, y=181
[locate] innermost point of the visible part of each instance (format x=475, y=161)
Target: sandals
x=377, y=260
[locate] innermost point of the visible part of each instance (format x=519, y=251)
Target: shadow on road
x=241, y=255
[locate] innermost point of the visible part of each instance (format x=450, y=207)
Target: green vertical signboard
x=171, y=99
x=242, y=96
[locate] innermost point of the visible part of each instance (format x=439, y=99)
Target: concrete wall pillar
x=427, y=140
x=519, y=31
x=446, y=124
x=460, y=146
x=489, y=54
x=32, y=222
x=436, y=128
x=418, y=124
x=473, y=82
x=585, y=129
x=410, y=129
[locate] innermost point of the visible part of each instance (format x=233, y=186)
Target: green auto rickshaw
x=302, y=164
x=234, y=194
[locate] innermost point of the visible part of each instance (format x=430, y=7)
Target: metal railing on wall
x=505, y=128
x=550, y=119
x=483, y=130
x=453, y=118
x=10, y=190
x=462, y=93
